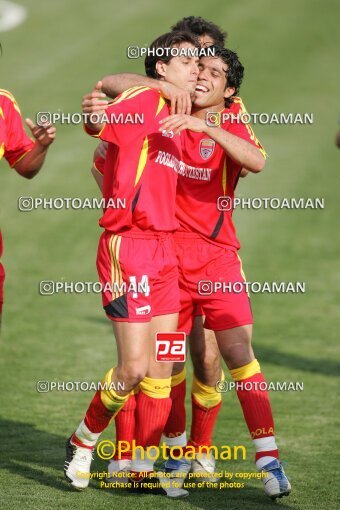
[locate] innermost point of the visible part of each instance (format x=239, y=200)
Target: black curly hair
x=168, y=40
x=200, y=26
x=235, y=72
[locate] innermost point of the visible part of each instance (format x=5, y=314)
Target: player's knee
x=178, y=368
x=132, y=374
x=207, y=366
x=238, y=355
x=206, y=359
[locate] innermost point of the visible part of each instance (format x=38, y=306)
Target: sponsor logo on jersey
x=143, y=310
x=207, y=147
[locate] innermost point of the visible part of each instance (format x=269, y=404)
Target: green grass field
x=290, y=54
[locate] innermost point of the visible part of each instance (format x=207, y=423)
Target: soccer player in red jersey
x=137, y=250
x=204, y=209
x=201, y=339
x=22, y=153
x=207, y=250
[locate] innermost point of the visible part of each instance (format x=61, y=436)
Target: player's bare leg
x=153, y=401
x=204, y=353
x=236, y=349
x=133, y=351
x=206, y=400
x=133, y=347
x=153, y=407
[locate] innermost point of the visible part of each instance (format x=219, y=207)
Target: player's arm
x=242, y=152
x=141, y=103
x=98, y=164
x=244, y=172
x=98, y=177
x=30, y=164
x=115, y=84
x=24, y=154
x=94, y=105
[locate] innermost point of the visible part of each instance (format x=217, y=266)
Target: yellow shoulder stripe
x=97, y=169
x=10, y=96
x=6, y=93
x=130, y=93
x=161, y=103
x=250, y=130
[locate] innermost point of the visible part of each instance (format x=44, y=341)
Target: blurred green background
x=290, y=51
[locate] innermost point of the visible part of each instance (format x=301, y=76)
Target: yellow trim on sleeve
x=96, y=168
x=21, y=157
x=250, y=129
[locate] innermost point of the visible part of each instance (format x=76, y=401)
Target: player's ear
x=161, y=68
x=229, y=91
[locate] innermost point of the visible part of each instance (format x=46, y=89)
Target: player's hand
x=176, y=123
x=44, y=134
x=100, y=151
x=94, y=102
x=180, y=99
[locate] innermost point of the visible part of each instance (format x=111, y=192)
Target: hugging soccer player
x=208, y=235
x=209, y=228
x=137, y=246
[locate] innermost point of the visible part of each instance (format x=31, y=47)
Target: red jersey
x=135, y=168
x=209, y=174
x=14, y=142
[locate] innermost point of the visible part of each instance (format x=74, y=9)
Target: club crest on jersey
x=168, y=134
x=207, y=147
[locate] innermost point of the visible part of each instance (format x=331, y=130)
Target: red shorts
x=139, y=275
x=205, y=274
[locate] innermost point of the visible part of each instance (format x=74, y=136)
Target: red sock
x=97, y=416
x=202, y=423
x=125, y=426
x=175, y=426
x=270, y=453
x=151, y=416
x=257, y=412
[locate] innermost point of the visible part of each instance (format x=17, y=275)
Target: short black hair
x=235, y=72
x=200, y=26
x=168, y=40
